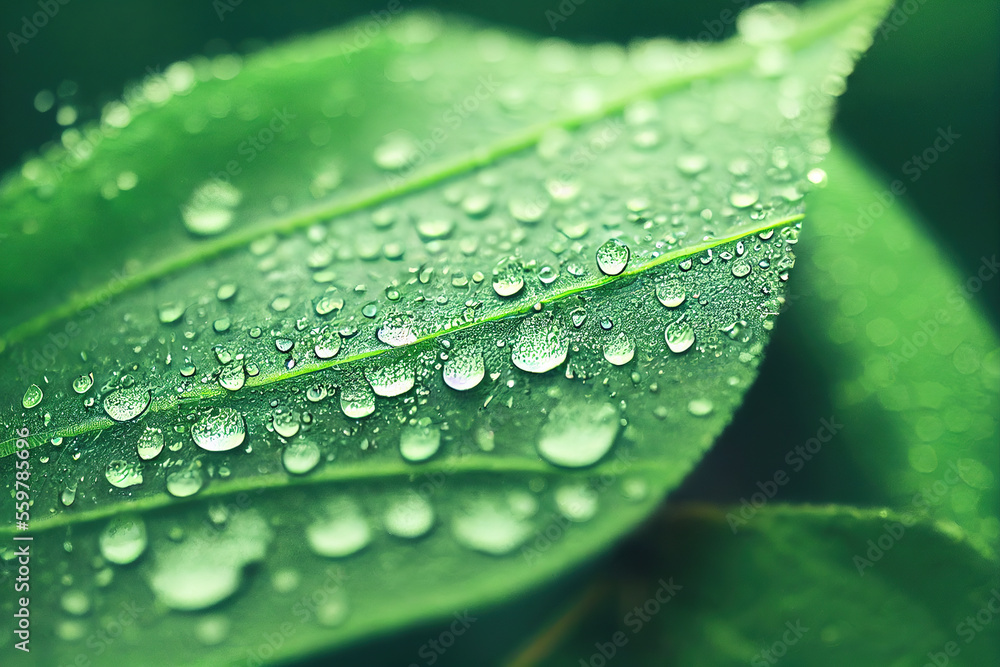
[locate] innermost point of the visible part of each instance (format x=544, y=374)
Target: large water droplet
x=341, y=530
x=679, y=336
x=287, y=424
x=150, y=443
x=32, y=397
x=123, y=540
x=127, y=403
x=612, y=257
x=419, y=443
x=83, y=383
x=210, y=209
x=619, y=350
x=300, y=457
x=198, y=574
x=357, y=399
x=220, y=430
x=490, y=528
x=185, y=482
x=391, y=379
x=409, y=516
x=464, y=368
x=328, y=344
x=508, y=276
x=539, y=347
x=397, y=331
x=123, y=474
x=233, y=377
x=434, y=228
x=578, y=434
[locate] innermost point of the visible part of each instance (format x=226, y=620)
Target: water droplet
x=328, y=344
x=283, y=345
x=692, y=164
x=767, y=22
x=419, y=443
x=578, y=316
x=490, y=528
x=357, y=400
x=209, y=211
x=700, y=407
x=127, y=403
x=170, y=312
x=123, y=540
x=68, y=496
x=577, y=435
x=409, y=516
x=197, y=574
x=300, y=457
x=150, y=443
x=32, y=397
x=286, y=424
x=612, y=257
x=670, y=294
x=233, y=377
x=123, y=474
x=185, y=482
x=75, y=602
x=435, y=228
x=679, y=336
x=329, y=303
x=391, y=379
x=619, y=350
x=465, y=368
x=743, y=198
x=220, y=430
x=508, y=276
x=741, y=269
x=83, y=383
x=528, y=211
x=397, y=331
x=396, y=151
x=576, y=501
x=547, y=275
x=539, y=347
x=340, y=531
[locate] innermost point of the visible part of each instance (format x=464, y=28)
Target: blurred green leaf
x=913, y=366
x=799, y=585
x=437, y=317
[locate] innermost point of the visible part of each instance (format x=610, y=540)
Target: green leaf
x=860, y=587
x=906, y=354
x=417, y=337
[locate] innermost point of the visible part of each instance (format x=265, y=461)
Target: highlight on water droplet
x=409, y=515
x=150, y=443
x=123, y=474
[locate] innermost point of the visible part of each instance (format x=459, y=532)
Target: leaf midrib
x=728, y=57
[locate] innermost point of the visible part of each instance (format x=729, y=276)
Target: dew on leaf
x=83, y=383
x=123, y=540
x=123, y=474
x=127, y=403
x=419, y=443
x=32, y=397
x=300, y=457
x=490, y=528
x=465, y=368
x=391, y=379
x=539, y=346
x=220, y=430
x=578, y=434
x=612, y=257
x=357, y=400
x=508, y=276
x=410, y=515
x=341, y=530
x=679, y=336
x=670, y=294
x=620, y=349
x=150, y=443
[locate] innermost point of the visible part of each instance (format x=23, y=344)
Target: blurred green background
x=939, y=69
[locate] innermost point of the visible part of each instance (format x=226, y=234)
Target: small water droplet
x=150, y=443
x=391, y=379
x=123, y=474
x=209, y=211
x=489, y=527
x=220, y=430
x=300, y=457
x=32, y=397
x=576, y=501
x=340, y=531
x=620, y=349
x=409, y=516
x=419, y=443
x=670, y=294
x=577, y=435
x=123, y=540
x=465, y=368
x=508, y=276
x=612, y=257
x=700, y=407
x=679, y=336
x=539, y=347
x=83, y=383
x=741, y=269
x=286, y=424
x=127, y=403
x=186, y=482
x=357, y=400
x=328, y=344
